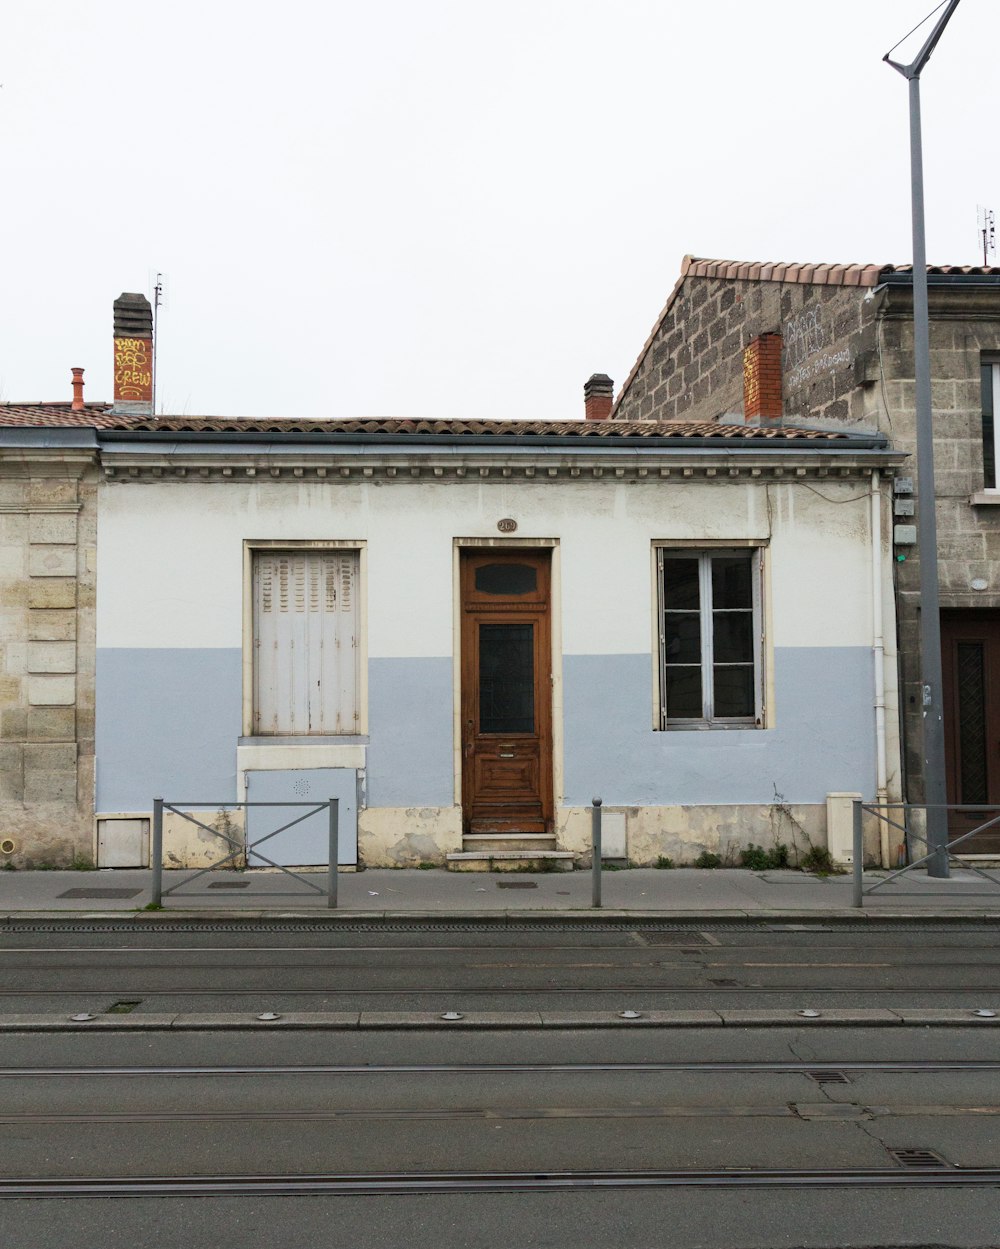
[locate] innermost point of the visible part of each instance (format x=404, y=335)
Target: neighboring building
x=466, y=630
x=832, y=346
x=48, y=531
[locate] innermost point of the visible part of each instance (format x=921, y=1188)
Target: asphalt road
x=550, y=1136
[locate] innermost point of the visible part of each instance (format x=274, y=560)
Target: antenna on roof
x=157, y=300
x=987, y=234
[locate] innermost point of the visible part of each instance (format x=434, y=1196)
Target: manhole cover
x=229, y=884
x=516, y=884
x=101, y=893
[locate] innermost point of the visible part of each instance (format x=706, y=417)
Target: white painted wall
x=170, y=554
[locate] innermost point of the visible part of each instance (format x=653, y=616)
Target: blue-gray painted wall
x=169, y=722
x=823, y=738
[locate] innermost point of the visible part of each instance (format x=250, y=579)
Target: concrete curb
x=809, y=918
x=511, y=1020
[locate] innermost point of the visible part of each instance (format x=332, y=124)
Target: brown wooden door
x=506, y=692
x=970, y=654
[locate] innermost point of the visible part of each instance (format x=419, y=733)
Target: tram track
x=492, y=1182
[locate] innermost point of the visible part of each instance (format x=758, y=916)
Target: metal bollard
x=333, y=813
x=859, y=857
x=156, y=853
x=595, y=850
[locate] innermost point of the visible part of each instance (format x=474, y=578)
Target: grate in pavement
x=677, y=938
x=101, y=893
x=517, y=884
x=229, y=884
x=826, y=1076
x=918, y=1159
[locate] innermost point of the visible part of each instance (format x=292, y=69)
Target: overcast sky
x=448, y=208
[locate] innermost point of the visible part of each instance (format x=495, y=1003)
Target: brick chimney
x=77, y=404
x=762, y=399
x=598, y=396
x=133, y=355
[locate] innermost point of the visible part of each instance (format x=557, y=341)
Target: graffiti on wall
x=805, y=340
x=134, y=369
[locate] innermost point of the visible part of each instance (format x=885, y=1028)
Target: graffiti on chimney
x=805, y=338
x=133, y=368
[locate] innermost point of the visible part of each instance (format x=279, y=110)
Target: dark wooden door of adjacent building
x=970, y=653
x=506, y=692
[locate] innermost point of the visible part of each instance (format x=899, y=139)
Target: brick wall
x=47, y=570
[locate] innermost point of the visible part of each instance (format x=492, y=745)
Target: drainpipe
x=878, y=653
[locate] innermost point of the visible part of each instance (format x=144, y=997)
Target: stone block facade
x=48, y=534
x=847, y=359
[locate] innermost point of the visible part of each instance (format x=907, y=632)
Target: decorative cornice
x=747, y=465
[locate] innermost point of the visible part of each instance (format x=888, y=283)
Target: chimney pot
x=77, y=404
x=598, y=397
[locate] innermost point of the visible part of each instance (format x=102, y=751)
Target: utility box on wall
x=305, y=843
x=123, y=843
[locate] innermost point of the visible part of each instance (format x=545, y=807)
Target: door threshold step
x=534, y=837
x=510, y=860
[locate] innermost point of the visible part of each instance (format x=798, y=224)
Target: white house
x=465, y=631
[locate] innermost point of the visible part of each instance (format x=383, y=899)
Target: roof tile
x=99, y=416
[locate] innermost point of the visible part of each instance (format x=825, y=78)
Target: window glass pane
x=680, y=584
x=682, y=637
x=734, y=694
x=684, y=693
x=507, y=579
x=733, y=637
x=731, y=581
x=989, y=440
x=506, y=678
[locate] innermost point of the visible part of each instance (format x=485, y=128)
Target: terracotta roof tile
x=99, y=416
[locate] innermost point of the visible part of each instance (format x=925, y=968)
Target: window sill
x=715, y=726
x=985, y=498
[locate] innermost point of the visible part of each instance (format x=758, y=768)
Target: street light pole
x=935, y=790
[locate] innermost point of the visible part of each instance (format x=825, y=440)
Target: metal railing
x=899, y=816
x=243, y=847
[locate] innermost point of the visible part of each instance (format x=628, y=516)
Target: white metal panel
x=305, y=642
x=123, y=843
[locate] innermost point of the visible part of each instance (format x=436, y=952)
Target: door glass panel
x=507, y=579
x=506, y=678
x=971, y=691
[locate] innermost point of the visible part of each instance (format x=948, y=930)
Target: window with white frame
x=305, y=642
x=990, y=373
x=710, y=632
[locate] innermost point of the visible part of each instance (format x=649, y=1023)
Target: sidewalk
x=684, y=894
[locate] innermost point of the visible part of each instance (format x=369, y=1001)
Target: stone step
x=484, y=843
x=510, y=861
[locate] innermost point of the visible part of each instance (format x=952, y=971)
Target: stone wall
x=692, y=369
x=968, y=533
x=47, y=581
